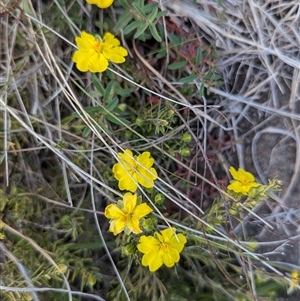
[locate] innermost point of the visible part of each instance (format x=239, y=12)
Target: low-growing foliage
x=107, y=164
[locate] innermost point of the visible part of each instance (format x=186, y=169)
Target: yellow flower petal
x=145, y=160
x=129, y=202
x=178, y=241
x=241, y=175
x=243, y=181
x=94, y=54
x=115, y=55
x=148, y=244
x=146, y=177
x=117, y=226
x=128, y=182
x=101, y=3
x=171, y=257
x=132, y=171
x=128, y=216
x=86, y=41
x=133, y=225
x=98, y=63
x=162, y=248
x=153, y=261
x=113, y=211
x=109, y=39
x=239, y=187
x=141, y=210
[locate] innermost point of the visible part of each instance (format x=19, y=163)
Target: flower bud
x=91, y=280
x=186, y=138
x=139, y=121
x=149, y=224
x=159, y=199
x=128, y=250
x=185, y=152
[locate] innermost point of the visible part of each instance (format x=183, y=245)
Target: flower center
x=132, y=168
x=127, y=217
x=245, y=181
x=164, y=247
x=98, y=46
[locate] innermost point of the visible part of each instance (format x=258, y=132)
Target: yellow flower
x=162, y=248
x=133, y=170
x=94, y=53
x=101, y=3
x=295, y=277
x=126, y=215
x=243, y=181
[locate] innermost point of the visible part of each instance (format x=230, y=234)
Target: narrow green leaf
x=152, y=15
x=154, y=32
x=109, y=92
x=161, y=53
x=116, y=120
x=178, y=65
x=161, y=14
x=132, y=26
x=86, y=131
x=102, y=127
x=201, y=90
x=140, y=3
x=141, y=30
x=97, y=83
x=124, y=92
x=199, y=57
x=125, y=4
x=110, y=106
x=120, y=112
x=123, y=21
x=139, y=9
x=188, y=79
x=175, y=40
x=92, y=111
x=150, y=7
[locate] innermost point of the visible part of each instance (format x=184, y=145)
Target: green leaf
x=151, y=17
x=116, y=120
x=140, y=9
x=123, y=92
x=161, y=53
x=178, y=65
x=188, y=79
x=161, y=14
x=141, y=30
x=123, y=21
x=120, y=112
x=110, y=106
x=150, y=7
x=201, y=90
x=97, y=83
x=199, y=57
x=102, y=127
x=175, y=40
x=140, y=3
x=92, y=111
x=109, y=92
x=125, y=4
x=132, y=26
x=154, y=32
x=86, y=131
